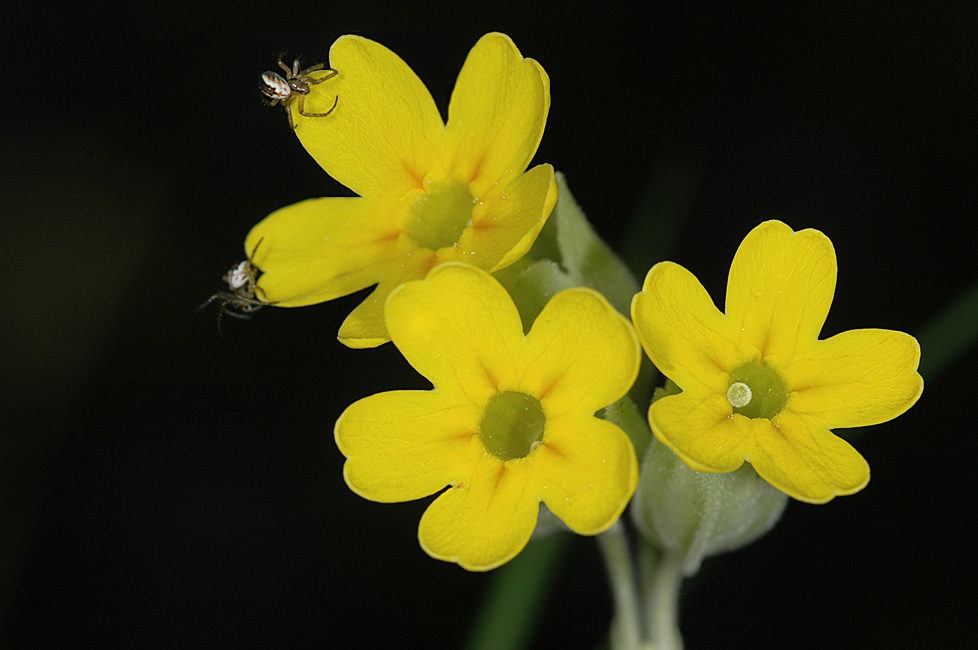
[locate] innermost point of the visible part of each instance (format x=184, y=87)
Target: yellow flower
x=510, y=422
x=429, y=192
x=757, y=383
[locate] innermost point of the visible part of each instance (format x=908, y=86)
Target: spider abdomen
x=274, y=86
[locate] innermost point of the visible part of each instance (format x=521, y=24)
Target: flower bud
x=697, y=514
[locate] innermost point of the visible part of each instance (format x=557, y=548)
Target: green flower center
x=756, y=390
x=438, y=216
x=512, y=425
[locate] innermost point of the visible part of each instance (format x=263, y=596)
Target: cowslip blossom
x=429, y=191
x=757, y=383
x=510, y=422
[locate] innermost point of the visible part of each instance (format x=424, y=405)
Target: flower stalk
x=661, y=582
x=627, y=631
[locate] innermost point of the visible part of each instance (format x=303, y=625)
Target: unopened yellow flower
x=510, y=422
x=757, y=383
x=429, y=192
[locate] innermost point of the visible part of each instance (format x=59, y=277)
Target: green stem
x=950, y=334
x=662, y=578
x=517, y=594
x=666, y=200
x=627, y=625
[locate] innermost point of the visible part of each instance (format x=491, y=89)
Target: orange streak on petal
x=719, y=365
x=474, y=174
x=429, y=264
x=461, y=437
x=491, y=378
x=415, y=176
x=548, y=388
x=391, y=236
x=497, y=480
x=551, y=447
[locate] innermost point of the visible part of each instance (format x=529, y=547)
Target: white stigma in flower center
x=738, y=394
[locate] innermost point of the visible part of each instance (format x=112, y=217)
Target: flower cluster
x=511, y=422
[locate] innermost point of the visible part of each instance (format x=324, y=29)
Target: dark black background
x=164, y=484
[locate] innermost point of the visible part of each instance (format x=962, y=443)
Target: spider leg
x=262, y=290
x=281, y=64
x=243, y=302
x=295, y=68
x=210, y=300
x=230, y=312
x=235, y=314
x=312, y=68
x=288, y=111
x=332, y=73
x=254, y=250
x=333, y=107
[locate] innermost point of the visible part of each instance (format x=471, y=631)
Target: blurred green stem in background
x=950, y=335
x=513, y=605
x=674, y=182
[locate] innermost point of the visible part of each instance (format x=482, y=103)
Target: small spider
x=293, y=87
x=240, y=300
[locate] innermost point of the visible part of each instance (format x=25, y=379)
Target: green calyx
x=756, y=390
x=512, y=425
x=439, y=215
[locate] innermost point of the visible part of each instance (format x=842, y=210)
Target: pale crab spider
x=240, y=299
x=293, y=87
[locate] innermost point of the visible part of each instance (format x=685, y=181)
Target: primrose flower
x=757, y=383
x=510, y=422
x=430, y=192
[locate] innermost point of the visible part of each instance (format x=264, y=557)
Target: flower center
x=438, y=216
x=512, y=425
x=756, y=390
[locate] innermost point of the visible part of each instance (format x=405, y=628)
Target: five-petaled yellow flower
x=429, y=192
x=510, y=422
x=757, y=383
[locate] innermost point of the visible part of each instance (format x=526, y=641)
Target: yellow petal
x=405, y=445
x=365, y=326
x=506, y=222
x=385, y=132
x=581, y=354
x=484, y=520
x=780, y=288
x=856, y=378
x=321, y=249
x=460, y=329
x=585, y=471
x=805, y=460
x=497, y=114
x=683, y=333
x=699, y=426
